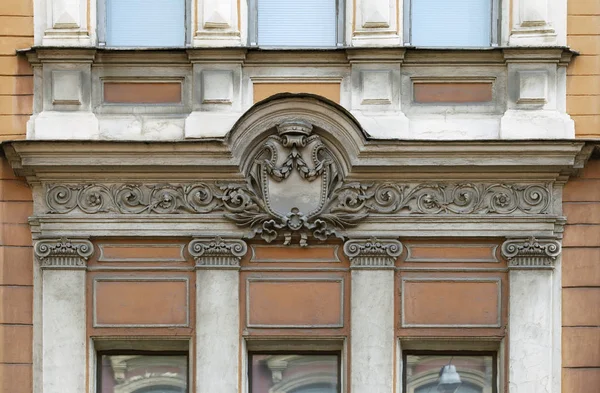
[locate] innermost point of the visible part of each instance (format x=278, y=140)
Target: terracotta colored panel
x=16, y=305
x=450, y=303
x=581, y=347
x=264, y=253
x=585, y=64
x=143, y=303
x=16, y=105
x=16, y=266
x=16, y=378
x=15, y=65
x=582, y=236
x=141, y=252
x=452, y=92
x=586, y=125
x=15, y=212
x=142, y=93
x=16, y=25
x=14, y=190
x=15, y=235
x=582, y=190
x=13, y=125
x=294, y=303
x=580, y=380
x=327, y=90
x=16, y=343
x=581, y=306
x=580, y=267
x=433, y=252
x=6, y=171
x=582, y=212
x=592, y=167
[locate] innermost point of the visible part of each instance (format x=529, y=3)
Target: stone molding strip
x=372, y=253
x=63, y=253
x=217, y=252
x=531, y=253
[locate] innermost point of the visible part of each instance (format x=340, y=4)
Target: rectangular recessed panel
x=142, y=92
x=280, y=303
x=452, y=93
x=451, y=303
x=141, y=253
x=265, y=253
x=329, y=90
x=141, y=303
x=433, y=252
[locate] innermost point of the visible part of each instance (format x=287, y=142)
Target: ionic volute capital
x=217, y=252
x=531, y=253
x=373, y=252
x=63, y=253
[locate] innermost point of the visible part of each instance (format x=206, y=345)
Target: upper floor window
x=143, y=23
x=451, y=23
x=292, y=23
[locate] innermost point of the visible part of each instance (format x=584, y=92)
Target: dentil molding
x=63, y=253
x=372, y=252
x=217, y=252
x=531, y=253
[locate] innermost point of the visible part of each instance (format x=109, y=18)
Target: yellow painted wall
x=583, y=81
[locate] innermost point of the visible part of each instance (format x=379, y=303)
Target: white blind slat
x=293, y=23
x=145, y=23
x=451, y=23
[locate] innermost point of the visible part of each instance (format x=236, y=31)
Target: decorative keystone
x=531, y=253
x=63, y=253
x=217, y=252
x=373, y=252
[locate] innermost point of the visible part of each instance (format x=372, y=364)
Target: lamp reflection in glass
x=449, y=379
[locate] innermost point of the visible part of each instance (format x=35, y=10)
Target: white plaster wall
x=372, y=331
x=217, y=331
x=532, y=336
x=64, y=331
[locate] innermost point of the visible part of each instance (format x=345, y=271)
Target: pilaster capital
x=63, y=253
x=217, y=252
x=372, y=253
x=531, y=253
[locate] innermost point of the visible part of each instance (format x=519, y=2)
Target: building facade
x=331, y=196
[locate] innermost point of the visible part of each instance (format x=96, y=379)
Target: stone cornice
x=372, y=253
x=63, y=253
x=531, y=253
x=217, y=252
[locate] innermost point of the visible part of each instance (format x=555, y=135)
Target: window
x=291, y=23
x=451, y=23
x=142, y=23
x=142, y=372
x=460, y=372
x=294, y=373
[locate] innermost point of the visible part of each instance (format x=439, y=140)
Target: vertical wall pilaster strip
x=217, y=313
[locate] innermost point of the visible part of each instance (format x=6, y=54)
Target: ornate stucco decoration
x=63, y=253
x=372, y=252
x=531, y=253
x=217, y=252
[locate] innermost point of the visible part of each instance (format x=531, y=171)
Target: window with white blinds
x=293, y=23
x=451, y=23
x=145, y=23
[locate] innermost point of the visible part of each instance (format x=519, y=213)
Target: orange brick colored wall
x=16, y=80
x=581, y=283
x=583, y=80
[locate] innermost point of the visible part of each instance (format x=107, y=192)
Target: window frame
x=126, y=352
x=494, y=354
x=102, y=21
x=494, y=32
x=337, y=354
x=340, y=7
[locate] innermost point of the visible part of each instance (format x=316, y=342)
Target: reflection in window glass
x=449, y=374
x=143, y=374
x=289, y=373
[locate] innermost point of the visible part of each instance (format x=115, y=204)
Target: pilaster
x=372, y=323
x=217, y=312
x=63, y=262
x=63, y=22
x=218, y=23
x=538, y=23
x=376, y=23
x=534, y=345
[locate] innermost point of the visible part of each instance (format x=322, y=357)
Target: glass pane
x=143, y=374
x=292, y=23
x=449, y=374
x=451, y=23
x=294, y=373
x=145, y=23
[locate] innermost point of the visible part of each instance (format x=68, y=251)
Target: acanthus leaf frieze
x=217, y=252
x=63, y=253
x=531, y=253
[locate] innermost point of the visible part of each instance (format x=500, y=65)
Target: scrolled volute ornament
x=531, y=253
x=217, y=252
x=372, y=252
x=63, y=253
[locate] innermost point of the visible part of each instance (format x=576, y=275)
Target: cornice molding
x=372, y=253
x=531, y=253
x=63, y=253
x=217, y=252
